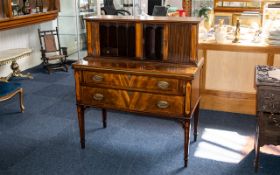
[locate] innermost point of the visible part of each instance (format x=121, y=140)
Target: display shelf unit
x=237, y=6
x=9, y=19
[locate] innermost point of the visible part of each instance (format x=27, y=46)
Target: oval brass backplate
x=163, y=85
x=98, y=96
x=98, y=78
x=162, y=104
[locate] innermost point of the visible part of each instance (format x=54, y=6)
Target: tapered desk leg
x=81, y=119
x=196, y=116
x=104, y=118
x=187, y=127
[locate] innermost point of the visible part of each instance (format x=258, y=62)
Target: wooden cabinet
x=268, y=110
x=14, y=14
x=143, y=65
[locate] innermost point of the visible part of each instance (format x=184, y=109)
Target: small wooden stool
x=9, y=90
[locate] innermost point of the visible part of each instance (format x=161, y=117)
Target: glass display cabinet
x=72, y=14
x=236, y=5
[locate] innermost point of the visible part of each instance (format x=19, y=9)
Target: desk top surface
x=9, y=55
x=161, y=19
x=141, y=67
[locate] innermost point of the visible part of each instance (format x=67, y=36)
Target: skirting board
x=236, y=102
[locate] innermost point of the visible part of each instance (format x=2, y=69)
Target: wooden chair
x=53, y=55
x=9, y=90
x=110, y=9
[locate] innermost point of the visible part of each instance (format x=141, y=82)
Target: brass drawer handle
x=98, y=97
x=162, y=104
x=163, y=84
x=98, y=78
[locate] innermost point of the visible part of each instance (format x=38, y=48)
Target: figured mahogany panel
x=195, y=89
x=188, y=98
x=165, y=105
x=194, y=44
x=179, y=45
x=93, y=39
x=104, y=97
x=139, y=40
x=129, y=81
x=165, y=42
x=155, y=84
x=89, y=38
x=78, y=75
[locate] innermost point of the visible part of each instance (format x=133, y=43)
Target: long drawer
x=158, y=104
x=104, y=97
x=165, y=105
x=148, y=83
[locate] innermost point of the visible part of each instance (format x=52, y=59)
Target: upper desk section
x=21, y=13
x=164, y=39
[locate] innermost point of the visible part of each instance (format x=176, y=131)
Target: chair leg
x=66, y=67
x=21, y=100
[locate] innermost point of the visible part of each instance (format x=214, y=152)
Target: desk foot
x=83, y=144
x=195, y=137
x=187, y=128
x=104, y=118
x=186, y=163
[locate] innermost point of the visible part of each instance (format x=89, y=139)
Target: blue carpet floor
x=44, y=140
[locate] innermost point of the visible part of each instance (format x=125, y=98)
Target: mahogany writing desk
x=143, y=65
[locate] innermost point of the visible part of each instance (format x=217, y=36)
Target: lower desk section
x=168, y=93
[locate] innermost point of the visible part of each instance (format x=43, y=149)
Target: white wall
x=24, y=37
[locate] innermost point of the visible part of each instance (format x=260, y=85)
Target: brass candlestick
x=237, y=32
